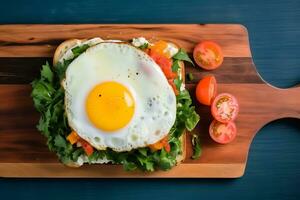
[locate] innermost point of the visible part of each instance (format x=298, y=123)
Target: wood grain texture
x=41, y=40
x=22, y=146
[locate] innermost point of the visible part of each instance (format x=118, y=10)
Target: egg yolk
x=110, y=106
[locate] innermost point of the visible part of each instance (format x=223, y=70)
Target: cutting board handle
x=282, y=103
x=292, y=102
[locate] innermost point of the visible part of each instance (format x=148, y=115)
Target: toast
x=69, y=44
x=63, y=48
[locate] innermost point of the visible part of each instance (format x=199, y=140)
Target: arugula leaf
x=149, y=166
x=96, y=155
x=57, y=111
x=143, y=151
x=184, y=96
x=186, y=117
x=61, y=68
x=79, y=50
x=144, y=46
x=42, y=94
x=129, y=166
x=77, y=153
x=166, y=162
x=175, y=147
x=44, y=122
x=146, y=162
x=60, y=141
x=192, y=120
x=177, y=83
x=196, y=146
x=190, y=76
x=185, y=112
x=175, y=66
x=64, y=159
x=182, y=55
x=46, y=73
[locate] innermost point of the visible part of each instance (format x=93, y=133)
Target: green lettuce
x=48, y=98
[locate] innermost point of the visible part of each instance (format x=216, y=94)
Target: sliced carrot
x=73, y=137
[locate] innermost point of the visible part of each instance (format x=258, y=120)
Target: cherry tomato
x=208, y=55
x=164, y=63
x=206, y=90
x=222, y=133
x=225, y=108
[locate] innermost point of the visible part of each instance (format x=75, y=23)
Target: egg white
x=155, y=101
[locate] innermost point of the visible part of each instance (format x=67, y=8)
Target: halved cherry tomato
x=206, y=90
x=225, y=108
x=222, y=133
x=88, y=149
x=160, y=47
x=208, y=55
x=163, y=143
x=164, y=63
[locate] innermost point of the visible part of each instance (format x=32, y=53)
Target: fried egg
x=117, y=97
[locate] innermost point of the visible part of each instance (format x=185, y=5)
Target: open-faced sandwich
x=119, y=102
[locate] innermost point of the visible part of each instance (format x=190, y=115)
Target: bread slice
x=63, y=48
x=68, y=44
x=72, y=164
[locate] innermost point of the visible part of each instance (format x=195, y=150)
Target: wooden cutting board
x=24, y=48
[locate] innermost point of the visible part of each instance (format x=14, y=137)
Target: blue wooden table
x=273, y=170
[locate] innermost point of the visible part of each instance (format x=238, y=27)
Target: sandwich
x=116, y=102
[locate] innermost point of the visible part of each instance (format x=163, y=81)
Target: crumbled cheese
x=84, y=159
x=137, y=42
x=93, y=41
x=116, y=41
x=171, y=50
x=69, y=54
x=78, y=144
x=182, y=87
x=179, y=73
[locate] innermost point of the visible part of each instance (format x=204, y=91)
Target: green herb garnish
x=175, y=66
x=182, y=55
x=48, y=97
x=79, y=50
x=196, y=147
x=144, y=46
x=190, y=76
